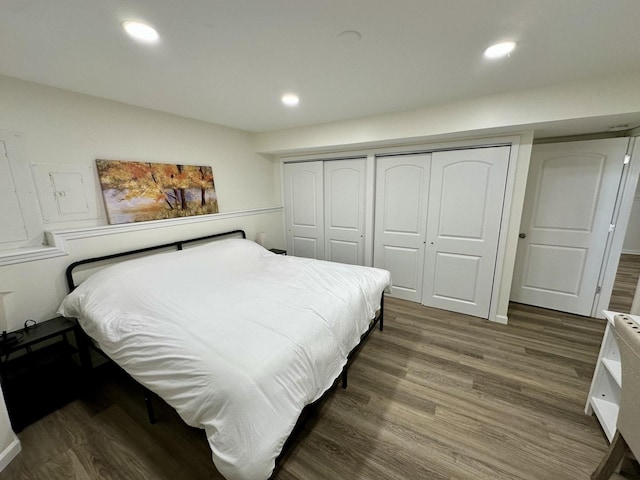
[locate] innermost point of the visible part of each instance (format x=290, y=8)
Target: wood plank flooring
x=436, y=396
x=624, y=286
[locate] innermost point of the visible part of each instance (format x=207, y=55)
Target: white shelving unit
x=604, y=394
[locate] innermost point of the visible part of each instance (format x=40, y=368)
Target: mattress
x=237, y=339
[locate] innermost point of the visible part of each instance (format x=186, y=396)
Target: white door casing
x=344, y=210
x=402, y=185
x=304, y=209
x=569, y=203
x=466, y=197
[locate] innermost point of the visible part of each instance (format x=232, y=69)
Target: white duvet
x=237, y=339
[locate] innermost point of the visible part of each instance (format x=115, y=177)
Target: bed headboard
x=178, y=245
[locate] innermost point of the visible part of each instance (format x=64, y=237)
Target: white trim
x=610, y=261
x=503, y=319
x=29, y=255
x=57, y=239
x=391, y=149
x=501, y=250
x=9, y=453
x=631, y=252
x=370, y=203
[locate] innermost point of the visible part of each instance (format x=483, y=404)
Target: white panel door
x=569, y=202
x=304, y=200
x=466, y=197
x=344, y=210
x=402, y=186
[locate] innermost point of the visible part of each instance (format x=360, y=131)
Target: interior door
x=466, y=197
x=402, y=186
x=569, y=203
x=304, y=200
x=344, y=207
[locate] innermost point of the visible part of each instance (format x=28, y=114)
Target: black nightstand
x=41, y=371
x=277, y=251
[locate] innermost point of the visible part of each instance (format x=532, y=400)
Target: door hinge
x=612, y=227
x=627, y=159
x=598, y=289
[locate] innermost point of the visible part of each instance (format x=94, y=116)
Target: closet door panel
x=463, y=226
x=344, y=206
x=402, y=185
x=304, y=209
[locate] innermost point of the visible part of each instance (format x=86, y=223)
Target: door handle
x=523, y=235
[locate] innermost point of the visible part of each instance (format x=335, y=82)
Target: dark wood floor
x=625, y=283
x=436, y=396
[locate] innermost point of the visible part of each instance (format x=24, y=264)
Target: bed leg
x=344, y=377
x=149, y=404
x=381, y=319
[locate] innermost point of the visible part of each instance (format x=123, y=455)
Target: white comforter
x=238, y=340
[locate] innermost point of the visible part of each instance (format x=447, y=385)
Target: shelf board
x=609, y=315
x=614, y=367
x=607, y=413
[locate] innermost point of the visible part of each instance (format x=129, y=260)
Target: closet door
x=402, y=185
x=466, y=196
x=344, y=207
x=304, y=200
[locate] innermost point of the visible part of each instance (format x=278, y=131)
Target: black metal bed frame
x=85, y=343
x=177, y=245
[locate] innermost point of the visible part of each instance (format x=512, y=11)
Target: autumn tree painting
x=141, y=191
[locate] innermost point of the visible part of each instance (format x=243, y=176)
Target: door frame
x=621, y=216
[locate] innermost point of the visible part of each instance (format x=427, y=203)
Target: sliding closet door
x=344, y=207
x=402, y=185
x=466, y=196
x=304, y=201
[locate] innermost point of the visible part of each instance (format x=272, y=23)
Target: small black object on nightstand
x=277, y=251
x=40, y=371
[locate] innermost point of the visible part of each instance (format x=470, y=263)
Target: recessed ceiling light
x=290, y=100
x=141, y=31
x=500, y=50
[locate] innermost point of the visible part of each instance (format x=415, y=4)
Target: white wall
x=57, y=126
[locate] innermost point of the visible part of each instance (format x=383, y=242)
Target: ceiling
x=229, y=61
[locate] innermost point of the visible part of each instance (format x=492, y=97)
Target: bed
x=236, y=338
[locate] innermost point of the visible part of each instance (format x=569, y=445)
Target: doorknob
x=523, y=235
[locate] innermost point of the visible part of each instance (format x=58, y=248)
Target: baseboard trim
x=631, y=252
x=9, y=453
x=503, y=319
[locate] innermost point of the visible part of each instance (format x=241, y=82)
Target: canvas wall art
x=142, y=191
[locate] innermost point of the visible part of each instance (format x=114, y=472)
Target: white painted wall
x=57, y=126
